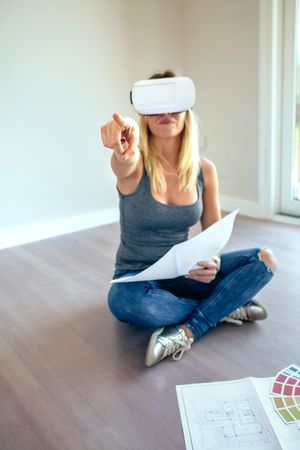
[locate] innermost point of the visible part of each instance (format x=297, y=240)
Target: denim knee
x=264, y=258
x=115, y=303
x=131, y=303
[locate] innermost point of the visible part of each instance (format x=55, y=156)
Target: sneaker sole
x=149, y=360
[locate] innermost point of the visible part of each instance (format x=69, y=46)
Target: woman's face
x=167, y=124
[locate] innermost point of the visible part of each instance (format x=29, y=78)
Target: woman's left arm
x=207, y=270
x=210, y=197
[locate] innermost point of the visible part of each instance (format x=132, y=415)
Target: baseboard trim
x=290, y=220
x=246, y=208
x=37, y=232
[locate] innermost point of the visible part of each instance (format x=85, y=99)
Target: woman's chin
x=167, y=134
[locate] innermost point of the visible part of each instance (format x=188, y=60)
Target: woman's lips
x=165, y=121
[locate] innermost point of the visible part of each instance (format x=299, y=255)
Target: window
x=290, y=183
x=296, y=164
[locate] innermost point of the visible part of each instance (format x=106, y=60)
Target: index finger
x=119, y=119
x=206, y=264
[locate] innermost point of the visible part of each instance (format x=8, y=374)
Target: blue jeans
x=199, y=306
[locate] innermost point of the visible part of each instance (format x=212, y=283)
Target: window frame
x=288, y=204
x=270, y=111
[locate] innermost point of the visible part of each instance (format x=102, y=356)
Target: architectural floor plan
x=231, y=415
x=223, y=424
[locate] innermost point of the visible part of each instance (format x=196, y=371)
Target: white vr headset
x=163, y=95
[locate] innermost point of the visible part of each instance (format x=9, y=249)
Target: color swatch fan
x=285, y=394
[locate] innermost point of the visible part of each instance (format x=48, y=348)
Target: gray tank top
x=150, y=228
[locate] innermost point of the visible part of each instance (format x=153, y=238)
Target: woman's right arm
x=122, y=135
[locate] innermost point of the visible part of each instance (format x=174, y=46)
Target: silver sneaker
x=249, y=313
x=165, y=342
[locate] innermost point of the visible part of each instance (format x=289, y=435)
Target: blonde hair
x=189, y=158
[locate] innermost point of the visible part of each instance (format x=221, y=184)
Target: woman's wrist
x=129, y=160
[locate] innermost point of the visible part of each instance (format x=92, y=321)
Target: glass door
x=290, y=183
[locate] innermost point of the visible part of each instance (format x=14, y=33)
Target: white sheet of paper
x=183, y=257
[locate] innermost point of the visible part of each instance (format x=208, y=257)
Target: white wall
x=67, y=65
x=222, y=54
x=157, y=31
x=62, y=63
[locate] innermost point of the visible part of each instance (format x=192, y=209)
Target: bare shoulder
x=211, y=204
x=209, y=170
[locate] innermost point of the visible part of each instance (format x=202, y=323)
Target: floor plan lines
x=231, y=424
x=225, y=415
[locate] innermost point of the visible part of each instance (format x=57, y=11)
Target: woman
x=164, y=188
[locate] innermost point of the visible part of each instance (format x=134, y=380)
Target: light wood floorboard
x=72, y=377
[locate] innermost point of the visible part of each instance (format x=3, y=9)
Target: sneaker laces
x=235, y=321
x=237, y=317
x=175, y=345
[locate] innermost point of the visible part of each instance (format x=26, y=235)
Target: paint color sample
x=278, y=402
x=285, y=394
x=288, y=390
x=281, y=378
x=292, y=381
x=286, y=415
x=295, y=413
x=277, y=388
x=297, y=400
x=289, y=401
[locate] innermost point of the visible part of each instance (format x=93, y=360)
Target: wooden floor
x=72, y=377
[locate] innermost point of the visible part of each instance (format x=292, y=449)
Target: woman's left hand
x=205, y=272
